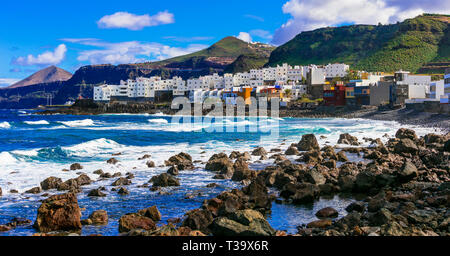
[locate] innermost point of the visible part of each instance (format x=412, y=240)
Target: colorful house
x=334, y=96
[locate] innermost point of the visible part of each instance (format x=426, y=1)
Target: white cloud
x=309, y=14
x=46, y=58
x=135, y=22
x=254, y=17
x=129, y=52
x=261, y=33
x=8, y=81
x=244, y=36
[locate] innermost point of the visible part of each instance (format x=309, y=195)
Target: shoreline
x=403, y=116
x=388, y=185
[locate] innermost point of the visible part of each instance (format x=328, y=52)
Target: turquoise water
x=34, y=147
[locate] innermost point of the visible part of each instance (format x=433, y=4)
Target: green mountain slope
x=409, y=45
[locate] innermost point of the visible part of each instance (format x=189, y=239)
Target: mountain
x=246, y=62
x=46, y=75
x=214, y=59
x=420, y=44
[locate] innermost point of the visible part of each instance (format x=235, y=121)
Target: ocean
x=35, y=147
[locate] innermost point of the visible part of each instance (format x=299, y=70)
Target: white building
x=446, y=96
x=336, y=70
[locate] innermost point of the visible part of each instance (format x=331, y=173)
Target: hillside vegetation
x=408, y=45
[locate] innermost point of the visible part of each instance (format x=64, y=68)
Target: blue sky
x=36, y=34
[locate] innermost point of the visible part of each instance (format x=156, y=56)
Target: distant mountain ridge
x=46, y=75
x=420, y=44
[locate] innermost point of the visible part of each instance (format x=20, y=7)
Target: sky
x=37, y=34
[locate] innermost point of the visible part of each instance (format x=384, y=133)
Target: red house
x=335, y=96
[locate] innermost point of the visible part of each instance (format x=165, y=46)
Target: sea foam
x=78, y=123
x=5, y=125
x=40, y=122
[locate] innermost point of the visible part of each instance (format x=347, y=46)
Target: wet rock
x=164, y=180
x=76, y=166
x=447, y=146
x=260, y=151
x=198, y=220
x=330, y=164
x=314, y=177
x=98, y=172
x=59, y=212
x=35, y=190
x=150, y=164
x=146, y=156
x=123, y=191
x=212, y=185
x=241, y=171
x=319, y=224
x=51, y=183
x=152, y=213
x=132, y=221
x=225, y=227
x=365, y=181
x=4, y=228
x=406, y=146
x=173, y=170
x=404, y=133
x=356, y=206
x=281, y=179
x=292, y=151
x=236, y=154
x=308, y=142
x=16, y=221
x=348, y=139
x=312, y=157
x=327, y=212
x=130, y=176
x=258, y=195
x=182, y=160
x=341, y=157
x=432, y=138
x=99, y=217
x=96, y=193
x=121, y=182
x=381, y=217
x=112, y=161
x=0, y=191
x=13, y=191
x=221, y=164
x=305, y=194
x=408, y=172
x=117, y=174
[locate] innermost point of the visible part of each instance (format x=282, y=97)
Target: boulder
x=356, y=206
x=152, y=213
x=319, y=224
x=305, y=194
x=226, y=227
x=173, y=170
x=292, y=151
x=99, y=217
x=121, y=182
x=327, y=212
x=76, y=166
x=135, y=221
x=98, y=172
x=236, y=154
x=182, y=160
x=198, y=220
x=308, y=142
x=146, y=156
x=365, y=181
x=35, y=190
x=51, y=183
x=150, y=164
x=241, y=171
x=405, y=146
x=123, y=191
x=404, y=133
x=112, y=161
x=59, y=213
x=96, y=193
x=164, y=180
x=0, y=191
x=260, y=151
x=221, y=164
x=258, y=194
x=341, y=157
x=348, y=139
x=408, y=172
x=315, y=177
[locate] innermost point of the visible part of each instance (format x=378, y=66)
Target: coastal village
x=329, y=85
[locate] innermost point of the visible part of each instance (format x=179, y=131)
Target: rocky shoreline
x=403, y=189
